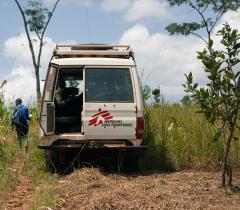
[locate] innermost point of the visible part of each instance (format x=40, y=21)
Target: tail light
x=140, y=128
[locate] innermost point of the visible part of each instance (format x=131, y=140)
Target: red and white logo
x=100, y=117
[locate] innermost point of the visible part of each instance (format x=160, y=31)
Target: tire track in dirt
x=21, y=197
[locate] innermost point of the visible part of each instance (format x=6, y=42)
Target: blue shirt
x=20, y=115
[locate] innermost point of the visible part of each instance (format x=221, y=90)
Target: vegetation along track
x=21, y=197
x=185, y=146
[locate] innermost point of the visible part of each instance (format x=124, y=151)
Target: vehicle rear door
x=47, y=116
x=109, y=109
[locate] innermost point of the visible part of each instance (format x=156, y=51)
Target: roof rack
x=93, y=50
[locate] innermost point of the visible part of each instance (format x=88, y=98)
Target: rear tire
x=51, y=159
x=131, y=162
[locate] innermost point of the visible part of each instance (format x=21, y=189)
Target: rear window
x=108, y=85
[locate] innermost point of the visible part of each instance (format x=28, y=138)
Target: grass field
x=14, y=163
x=179, y=138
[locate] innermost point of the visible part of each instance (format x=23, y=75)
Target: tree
x=73, y=83
x=145, y=88
x=220, y=99
x=36, y=19
x=210, y=12
x=156, y=95
x=187, y=100
x=146, y=93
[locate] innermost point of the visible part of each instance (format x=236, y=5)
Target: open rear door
x=47, y=118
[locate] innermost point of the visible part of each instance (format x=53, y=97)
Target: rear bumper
x=92, y=145
x=80, y=138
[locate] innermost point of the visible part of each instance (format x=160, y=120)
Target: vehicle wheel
x=51, y=158
x=132, y=161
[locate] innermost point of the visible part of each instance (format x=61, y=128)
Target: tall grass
x=33, y=161
x=8, y=151
x=34, y=167
x=179, y=138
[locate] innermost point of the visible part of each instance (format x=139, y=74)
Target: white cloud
x=167, y=58
x=147, y=8
x=115, y=5
x=20, y=84
x=21, y=81
x=137, y=9
x=132, y=10
x=232, y=18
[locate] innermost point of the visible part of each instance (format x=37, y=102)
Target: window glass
x=70, y=80
x=108, y=85
x=50, y=84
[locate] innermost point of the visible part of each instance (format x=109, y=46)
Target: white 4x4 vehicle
x=92, y=99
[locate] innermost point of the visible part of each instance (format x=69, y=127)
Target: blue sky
x=138, y=22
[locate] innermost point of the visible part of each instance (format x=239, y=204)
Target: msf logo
x=99, y=118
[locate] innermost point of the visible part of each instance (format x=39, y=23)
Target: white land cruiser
x=92, y=99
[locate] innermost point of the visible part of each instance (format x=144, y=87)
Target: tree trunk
x=38, y=87
x=227, y=168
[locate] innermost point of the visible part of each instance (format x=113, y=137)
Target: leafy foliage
x=183, y=29
x=210, y=12
x=37, y=16
x=156, y=95
x=217, y=5
x=146, y=93
x=187, y=100
x=220, y=99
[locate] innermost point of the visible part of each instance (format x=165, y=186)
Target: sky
x=162, y=59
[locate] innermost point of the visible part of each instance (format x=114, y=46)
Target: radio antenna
x=88, y=26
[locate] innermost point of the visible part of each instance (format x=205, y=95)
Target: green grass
x=34, y=167
x=34, y=164
x=179, y=138
x=8, y=153
x=43, y=181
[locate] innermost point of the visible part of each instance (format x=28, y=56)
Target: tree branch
x=203, y=18
x=205, y=9
x=199, y=36
x=35, y=30
x=44, y=30
x=50, y=17
x=216, y=20
x=27, y=32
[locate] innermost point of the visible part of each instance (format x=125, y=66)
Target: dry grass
x=90, y=189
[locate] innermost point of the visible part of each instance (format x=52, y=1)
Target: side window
x=49, y=86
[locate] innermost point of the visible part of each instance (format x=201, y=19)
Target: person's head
x=18, y=101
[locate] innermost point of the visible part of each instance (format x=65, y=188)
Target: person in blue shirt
x=20, y=119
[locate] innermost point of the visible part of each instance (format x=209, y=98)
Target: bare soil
x=21, y=197
x=88, y=188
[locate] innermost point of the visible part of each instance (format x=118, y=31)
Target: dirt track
x=21, y=197
x=90, y=189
